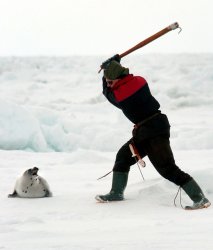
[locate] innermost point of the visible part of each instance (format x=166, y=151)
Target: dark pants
x=158, y=149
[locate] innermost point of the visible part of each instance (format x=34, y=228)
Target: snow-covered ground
x=53, y=116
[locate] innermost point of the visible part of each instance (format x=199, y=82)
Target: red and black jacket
x=132, y=95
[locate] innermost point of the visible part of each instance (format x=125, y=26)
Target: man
x=150, y=134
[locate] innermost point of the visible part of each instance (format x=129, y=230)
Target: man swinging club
x=150, y=135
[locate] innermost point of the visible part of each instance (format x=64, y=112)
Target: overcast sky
x=103, y=27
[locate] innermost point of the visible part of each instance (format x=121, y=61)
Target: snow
x=53, y=116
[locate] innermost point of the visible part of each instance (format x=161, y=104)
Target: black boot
x=119, y=182
x=196, y=195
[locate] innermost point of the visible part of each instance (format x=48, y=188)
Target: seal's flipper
x=13, y=195
x=48, y=193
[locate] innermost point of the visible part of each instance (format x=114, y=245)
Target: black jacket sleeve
x=109, y=94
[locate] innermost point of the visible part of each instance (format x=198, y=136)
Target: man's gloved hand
x=105, y=64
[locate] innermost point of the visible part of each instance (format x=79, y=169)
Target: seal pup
x=31, y=185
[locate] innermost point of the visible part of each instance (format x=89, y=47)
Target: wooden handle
x=151, y=38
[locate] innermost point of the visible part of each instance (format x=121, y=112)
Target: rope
x=104, y=175
x=139, y=168
x=179, y=191
x=139, y=161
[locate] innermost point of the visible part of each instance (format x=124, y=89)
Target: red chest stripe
x=127, y=86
